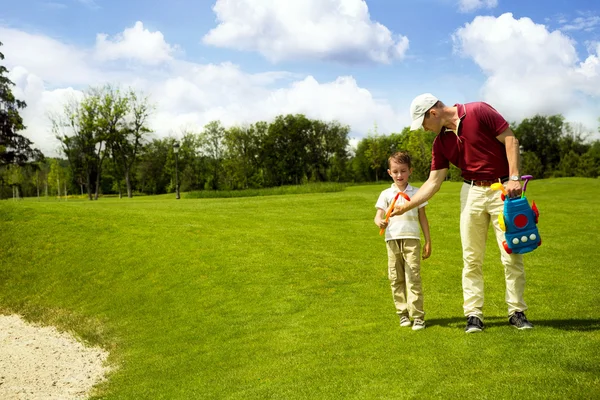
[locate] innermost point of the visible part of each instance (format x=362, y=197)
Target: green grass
x=287, y=297
x=274, y=191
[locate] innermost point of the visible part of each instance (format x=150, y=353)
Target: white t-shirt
x=405, y=226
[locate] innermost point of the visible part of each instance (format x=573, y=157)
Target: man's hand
x=399, y=209
x=513, y=189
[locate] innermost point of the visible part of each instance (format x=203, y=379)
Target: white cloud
x=467, y=6
x=47, y=58
x=48, y=73
x=335, y=30
x=586, y=23
x=202, y=93
x=530, y=69
x=134, y=43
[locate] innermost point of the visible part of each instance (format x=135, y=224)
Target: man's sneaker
x=474, y=324
x=404, y=321
x=519, y=321
x=418, y=324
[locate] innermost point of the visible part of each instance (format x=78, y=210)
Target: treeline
x=291, y=149
x=108, y=148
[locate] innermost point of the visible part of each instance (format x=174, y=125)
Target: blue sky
x=359, y=62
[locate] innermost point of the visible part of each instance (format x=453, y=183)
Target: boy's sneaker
x=418, y=324
x=519, y=321
x=474, y=324
x=404, y=321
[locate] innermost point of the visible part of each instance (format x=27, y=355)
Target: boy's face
x=399, y=173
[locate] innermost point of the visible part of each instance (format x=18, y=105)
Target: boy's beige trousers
x=404, y=272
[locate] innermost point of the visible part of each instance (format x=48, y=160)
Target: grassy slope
x=287, y=297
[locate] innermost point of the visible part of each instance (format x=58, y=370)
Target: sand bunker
x=41, y=363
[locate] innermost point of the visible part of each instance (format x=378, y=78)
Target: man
x=479, y=141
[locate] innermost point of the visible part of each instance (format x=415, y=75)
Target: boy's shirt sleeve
x=382, y=202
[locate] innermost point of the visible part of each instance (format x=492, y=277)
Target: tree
x=76, y=128
x=213, y=148
x=531, y=165
x=151, y=167
x=568, y=164
x=14, y=148
x=105, y=123
x=419, y=147
x=128, y=117
x=113, y=106
x=59, y=177
x=285, y=150
x=541, y=135
x=589, y=163
x=326, y=145
x=240, y=152
x=15, y=180
x=377, y=154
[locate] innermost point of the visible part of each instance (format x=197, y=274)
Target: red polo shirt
x=475, y=149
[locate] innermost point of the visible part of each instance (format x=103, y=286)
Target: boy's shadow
x=580, y=325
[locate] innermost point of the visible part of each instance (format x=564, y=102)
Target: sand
x=39, y=362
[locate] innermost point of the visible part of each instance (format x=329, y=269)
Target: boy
x=403, y=244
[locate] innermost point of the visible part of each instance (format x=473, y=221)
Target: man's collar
x=461, y=111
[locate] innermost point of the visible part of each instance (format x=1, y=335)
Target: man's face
x=433, y=120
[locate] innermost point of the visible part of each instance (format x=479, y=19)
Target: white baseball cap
x=419, y=106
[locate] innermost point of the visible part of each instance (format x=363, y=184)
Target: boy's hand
x=426, y=250
x=381, y=223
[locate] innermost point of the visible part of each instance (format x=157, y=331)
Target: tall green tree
x=542, y=136
x=82, y=141
x=128, y=115
x=419, y=146
x=14, y=147
x=285, y=148
x=242, y=156
x=326, y=144
x=151, y=167
x=213, y=148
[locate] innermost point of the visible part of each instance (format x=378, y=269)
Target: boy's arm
x=425, y=227
x=380, y=218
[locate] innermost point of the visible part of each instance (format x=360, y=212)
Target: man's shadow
x=580, y=325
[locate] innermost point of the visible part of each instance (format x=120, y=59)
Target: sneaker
x=418, y=324
x=404, y=321
x=519, y=321
x=474, y=324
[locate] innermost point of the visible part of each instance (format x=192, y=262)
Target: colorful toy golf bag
x=519, y=223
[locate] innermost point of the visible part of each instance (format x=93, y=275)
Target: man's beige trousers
x=477, y=206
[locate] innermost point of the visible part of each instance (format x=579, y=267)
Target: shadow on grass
x=582, y=325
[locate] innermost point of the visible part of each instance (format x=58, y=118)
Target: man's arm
x=511, y=143
x=429, y=188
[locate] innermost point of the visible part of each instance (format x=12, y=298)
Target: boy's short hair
x=401, y=157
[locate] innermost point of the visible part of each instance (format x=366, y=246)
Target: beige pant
x=404, y=272
x=477, y=206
